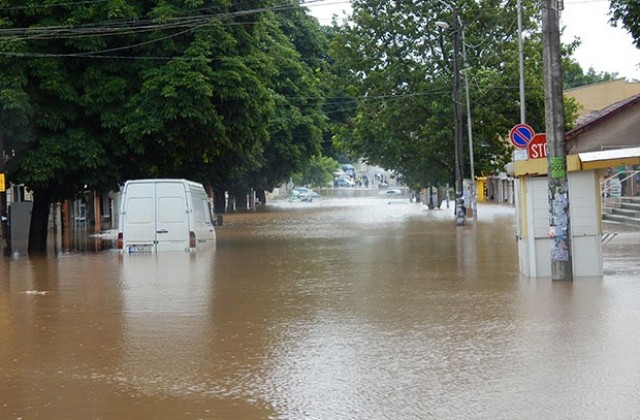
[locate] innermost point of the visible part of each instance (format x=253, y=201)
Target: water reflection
x=341, y=308
x=165, y=299
x=81, y=238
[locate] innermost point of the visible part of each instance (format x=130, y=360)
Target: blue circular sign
x=520, y=135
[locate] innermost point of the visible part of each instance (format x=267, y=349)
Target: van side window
x=139, y=210
x=197, y=213
x=171, y=209
x=207, y=211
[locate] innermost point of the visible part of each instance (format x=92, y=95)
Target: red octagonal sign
x=537, y=147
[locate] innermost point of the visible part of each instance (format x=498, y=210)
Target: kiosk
x=532, y=210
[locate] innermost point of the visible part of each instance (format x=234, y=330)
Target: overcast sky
x=603, y=47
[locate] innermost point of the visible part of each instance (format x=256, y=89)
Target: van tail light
x=120, y=242
x=192, y=239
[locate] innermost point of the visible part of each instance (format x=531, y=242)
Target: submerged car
x=390, y=191
x=344, y=182
x=302, y=194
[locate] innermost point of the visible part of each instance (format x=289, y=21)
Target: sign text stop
x=537, y=147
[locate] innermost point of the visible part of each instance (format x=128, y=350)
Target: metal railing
x=612, y=186
x=611, y=190
x=608, y=237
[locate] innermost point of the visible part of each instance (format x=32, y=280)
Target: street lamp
x=457, y=113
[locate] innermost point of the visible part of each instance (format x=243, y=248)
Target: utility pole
x=474, y=194
x=523, y=115
x=459, y=159
x=4, y=231
x=559, y=222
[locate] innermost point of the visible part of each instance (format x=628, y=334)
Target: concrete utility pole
x=474, y=194
x=559, y=223
x=458, y=42
x=459, y=158
x=4, y=231
x=523, y=114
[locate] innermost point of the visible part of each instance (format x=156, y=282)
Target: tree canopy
x=627, y=14
x=399, y=62
x=216, y=91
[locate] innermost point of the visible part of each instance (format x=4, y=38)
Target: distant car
x=303, y=194
x=347, y=167
x=304, y=190
x=344, y=182
x=390, y=191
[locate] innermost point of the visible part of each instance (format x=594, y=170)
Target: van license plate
x=140, y=249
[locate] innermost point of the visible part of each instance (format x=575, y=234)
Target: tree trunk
x=219, y=202
x=39, y=222
x=241, y=200
x=262, y=196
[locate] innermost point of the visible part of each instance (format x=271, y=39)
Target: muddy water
x=337, y=309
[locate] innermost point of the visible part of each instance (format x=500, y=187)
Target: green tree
x=295, y=47
x=340, y=105
x=574, y=76
x=318, y=173
x=226, y=93
x=627, y=14
x=399, y=66
x=66, y=147
x=206, y=116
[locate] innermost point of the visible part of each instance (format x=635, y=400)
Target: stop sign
x=537, y=147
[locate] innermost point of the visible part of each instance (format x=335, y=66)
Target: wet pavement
x=362, y=308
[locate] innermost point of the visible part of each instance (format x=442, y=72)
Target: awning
x=581, y=162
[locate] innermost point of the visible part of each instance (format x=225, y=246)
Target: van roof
x=190, y=184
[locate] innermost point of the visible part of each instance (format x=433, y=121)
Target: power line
x=118, y=27
x=48, y=6
x=127, y=27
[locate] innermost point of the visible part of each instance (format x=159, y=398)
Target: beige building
x=616, y=126
x=597, y=96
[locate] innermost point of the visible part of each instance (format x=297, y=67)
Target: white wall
x=534, y=244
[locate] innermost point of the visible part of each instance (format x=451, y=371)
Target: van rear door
x=172, y=222
x=139, y=217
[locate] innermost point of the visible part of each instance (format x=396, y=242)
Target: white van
x=164, y=215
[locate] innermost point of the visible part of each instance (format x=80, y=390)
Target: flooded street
x=336, y=309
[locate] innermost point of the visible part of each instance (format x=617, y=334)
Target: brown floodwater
x=336, y=309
